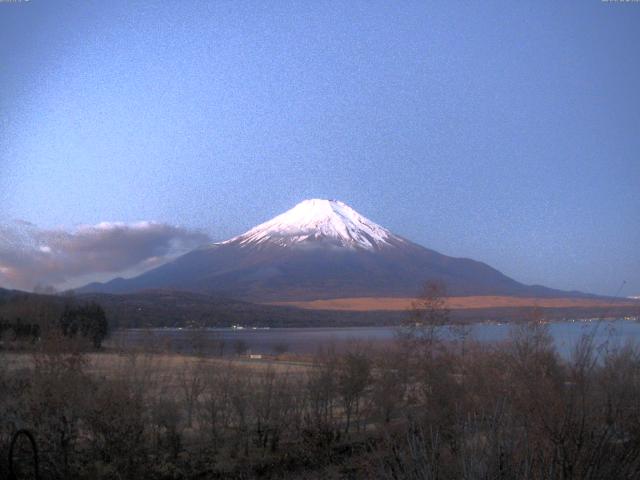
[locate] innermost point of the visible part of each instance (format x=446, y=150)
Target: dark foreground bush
x=420, y=410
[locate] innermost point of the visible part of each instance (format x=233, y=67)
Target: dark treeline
x=17, y=330
x=86, y=320
x=164, y=308
x=27, y=318
x=420, y=409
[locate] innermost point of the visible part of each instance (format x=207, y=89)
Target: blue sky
x=508, y=132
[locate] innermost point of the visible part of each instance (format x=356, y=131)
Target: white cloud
x=31, y=257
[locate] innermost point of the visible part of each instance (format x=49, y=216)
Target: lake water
x=310, y=340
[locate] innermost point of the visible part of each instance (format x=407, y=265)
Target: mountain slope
x=317, y=250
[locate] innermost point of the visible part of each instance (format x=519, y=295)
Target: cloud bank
x=31, y=257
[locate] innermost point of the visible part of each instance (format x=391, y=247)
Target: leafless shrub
x=191, y=381
x=511, y=410
x=354, y=373
x=216, y=408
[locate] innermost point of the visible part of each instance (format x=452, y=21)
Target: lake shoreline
x=308, y=340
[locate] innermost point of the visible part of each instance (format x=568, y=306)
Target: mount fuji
x=321, y=249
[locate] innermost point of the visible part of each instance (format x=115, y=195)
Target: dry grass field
x=364, y=304
x=164, y=365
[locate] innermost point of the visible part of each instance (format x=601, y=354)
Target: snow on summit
x=317, y=219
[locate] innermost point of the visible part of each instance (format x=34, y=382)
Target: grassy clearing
x=364, y=304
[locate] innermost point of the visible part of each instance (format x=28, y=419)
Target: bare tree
x=216, y=405
x=390, y=381
x=190, y=377
x=354, y=372
x=428, y=315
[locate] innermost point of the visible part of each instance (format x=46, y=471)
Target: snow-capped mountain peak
x=315, y=220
